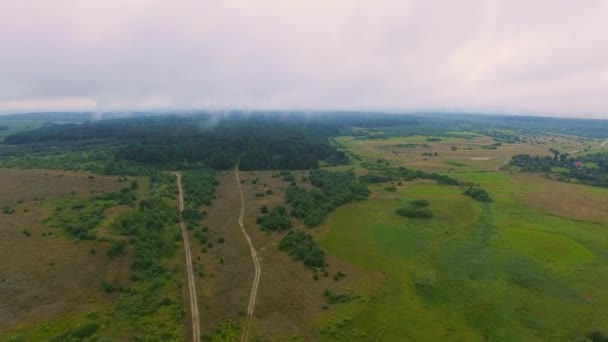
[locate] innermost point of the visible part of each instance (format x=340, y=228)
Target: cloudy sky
x=547, y=57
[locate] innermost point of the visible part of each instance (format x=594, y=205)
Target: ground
x=516, y=269
x=62, y=275
x=531, y=265
x=289, y=299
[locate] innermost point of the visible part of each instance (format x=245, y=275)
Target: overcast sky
x=546, y=57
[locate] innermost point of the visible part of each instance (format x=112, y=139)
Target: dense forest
x=591, y=169
x=174, y=142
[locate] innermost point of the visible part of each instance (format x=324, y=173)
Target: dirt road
x=196, y=332
x=256, y=263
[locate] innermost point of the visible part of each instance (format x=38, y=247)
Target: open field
x=503, y=271
x=62, y=275
x=289, y=299
x=456, y=154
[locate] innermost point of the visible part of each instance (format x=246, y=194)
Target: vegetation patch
x=275, y=220
x=79, y=218
x=223, y=332
x=591, y=169
x=336, y=298
x=335, y=188
x=416, y=209
x=301, y=246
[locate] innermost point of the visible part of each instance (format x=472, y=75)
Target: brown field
x=562, y=199
x=289, y=301
x=468, y=156
x=47, y=277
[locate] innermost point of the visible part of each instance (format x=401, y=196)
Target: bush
x=117, y=249
x=597, y=336
x=107, y=287
x=477, y=194
x=416, y=209
x=413, y=212
x=275, y=220
x=302, y=246
x=419, y=203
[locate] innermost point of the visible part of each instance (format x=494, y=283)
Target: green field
x=474, y=272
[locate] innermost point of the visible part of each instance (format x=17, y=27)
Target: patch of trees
x=192, y=217
x=274, y=220
x=152, y=232
x=201, y=235
x=225, y=331
x=334, y=188
x=79, y=218
x=477, y=194
x=336, y=298
x=199, y=186
x=79, y=333
x=387, y=174
x=301, y=246
x=597, y=336
x=591, y=169
x=384, y=174
x=416, y=209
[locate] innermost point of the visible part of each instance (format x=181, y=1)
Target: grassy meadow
x=499, y=271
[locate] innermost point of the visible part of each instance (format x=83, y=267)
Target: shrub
x=275, y=220
x=419, y=203
x=413, y=212
x=117, y=249
x=107, y=286
x=302, y=246
x=477, y=194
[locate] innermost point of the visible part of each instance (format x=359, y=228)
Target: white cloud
x=544, y=56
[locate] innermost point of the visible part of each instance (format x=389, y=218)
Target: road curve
x=196, y=330
x=256, y=263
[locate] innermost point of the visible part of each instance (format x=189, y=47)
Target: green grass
x=474, y=272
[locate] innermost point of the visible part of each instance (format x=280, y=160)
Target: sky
x=540, y=57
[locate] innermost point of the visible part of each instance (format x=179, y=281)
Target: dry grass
x=289, y=300
x=468, y=155
x=562, y=199
x=45, y=277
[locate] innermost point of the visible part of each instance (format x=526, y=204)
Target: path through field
x=196, y=331
x=256, y=264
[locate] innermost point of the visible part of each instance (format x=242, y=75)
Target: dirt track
x=196, y=332
x=256, y=263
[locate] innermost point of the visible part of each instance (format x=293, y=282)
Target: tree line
x=591, y=169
